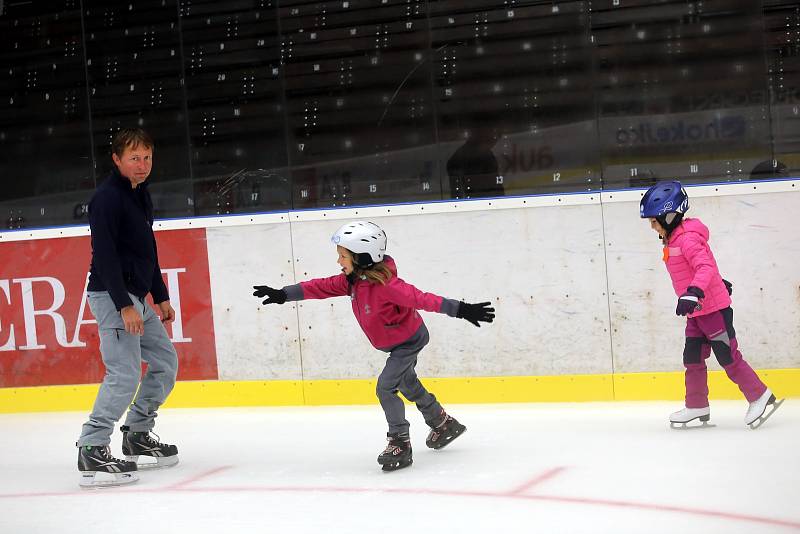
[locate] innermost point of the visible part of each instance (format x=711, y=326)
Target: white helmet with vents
x=364, y=239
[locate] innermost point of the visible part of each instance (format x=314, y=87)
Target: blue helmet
x=667, y=202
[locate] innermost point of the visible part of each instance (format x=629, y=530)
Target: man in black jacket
x=124, y=270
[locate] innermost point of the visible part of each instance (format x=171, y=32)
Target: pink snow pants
x=715, y=332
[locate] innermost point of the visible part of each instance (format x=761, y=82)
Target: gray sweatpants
x=122, y=356
x=399, y=375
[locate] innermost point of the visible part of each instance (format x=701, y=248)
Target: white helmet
x=364, y=239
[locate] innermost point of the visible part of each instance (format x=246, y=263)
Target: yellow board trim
x=670, y=386
x=567, y=388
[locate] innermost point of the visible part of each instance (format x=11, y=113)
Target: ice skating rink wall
x=585, y=308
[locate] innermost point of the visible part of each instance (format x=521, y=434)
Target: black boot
x=397, y=453
x=443, y=430
x=136, y=444
x=98, y=468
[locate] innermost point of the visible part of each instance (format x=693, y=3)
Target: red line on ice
x=547, y=475
x=191, y=480
x=181, y=487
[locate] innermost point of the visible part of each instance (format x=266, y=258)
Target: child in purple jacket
x=386, y=309
x=704, y=298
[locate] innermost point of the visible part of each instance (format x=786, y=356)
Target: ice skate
x=397, y=453
x=756, y=415
x=99, y=469
x=146, y=452
x=443, y=431
x=680, y=419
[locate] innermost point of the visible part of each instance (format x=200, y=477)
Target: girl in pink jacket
x=386, y=309
x=704, y=298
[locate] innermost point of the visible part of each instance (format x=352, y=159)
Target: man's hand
x=133, y=320
x=167, y=312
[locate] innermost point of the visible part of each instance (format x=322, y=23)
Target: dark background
x=262, y=105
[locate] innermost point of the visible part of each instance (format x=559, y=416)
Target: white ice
x=522, y=468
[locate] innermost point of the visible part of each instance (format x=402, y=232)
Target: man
x=472, y=168
x=124, y=270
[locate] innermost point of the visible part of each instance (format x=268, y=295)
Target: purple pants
x=715, y=332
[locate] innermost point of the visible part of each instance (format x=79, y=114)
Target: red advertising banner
x=47, y=333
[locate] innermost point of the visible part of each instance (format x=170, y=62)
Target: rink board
x=510, y=389
x=584, y=303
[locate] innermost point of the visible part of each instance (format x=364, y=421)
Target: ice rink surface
x=520, y=468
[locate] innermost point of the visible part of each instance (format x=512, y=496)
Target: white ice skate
x=756, y=415
x=680, y=419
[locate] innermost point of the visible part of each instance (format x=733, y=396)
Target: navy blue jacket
x=124, y=253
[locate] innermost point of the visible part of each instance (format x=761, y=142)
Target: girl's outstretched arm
x=405, y=294
x=318, y=288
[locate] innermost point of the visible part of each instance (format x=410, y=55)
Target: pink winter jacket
x=690, y=263
x=386, y=313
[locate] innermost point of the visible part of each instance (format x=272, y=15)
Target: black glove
x=476, y=312
x=274, y=296
x=689, y=301
x=728, y=286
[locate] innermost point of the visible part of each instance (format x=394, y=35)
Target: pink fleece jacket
x=690, y=262
x=386, y=313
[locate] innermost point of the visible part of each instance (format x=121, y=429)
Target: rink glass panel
x=45, y=142
x=234, y=101
x=782, y=41
x=681, y=91
x=360, y=118
x=134, y=75
x=513, y=95
x=257, y=106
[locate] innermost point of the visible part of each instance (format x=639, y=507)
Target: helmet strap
x=363, y=260
x=669, y=221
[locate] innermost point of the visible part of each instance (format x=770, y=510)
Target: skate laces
x=439, y=429
x=105, y=453
x=395, y=443
x=148, y=437
x=445, y=418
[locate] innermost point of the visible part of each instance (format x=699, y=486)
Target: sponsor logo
x=33, y=308
x=47, y=332
x=683, y=131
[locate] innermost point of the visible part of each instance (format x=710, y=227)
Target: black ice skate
x=99, y=469
x=397, y=453
x=147, y=452
x=444, y=430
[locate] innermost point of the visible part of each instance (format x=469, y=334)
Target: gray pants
x=399, y=375
x=122, y=356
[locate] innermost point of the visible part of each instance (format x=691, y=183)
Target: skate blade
x=388, y=460
x=703, y=420
x=152, y=462
x=444, y=443
x=396, y=465
x=766, y=415
x=100, y=479
x=686, y=426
